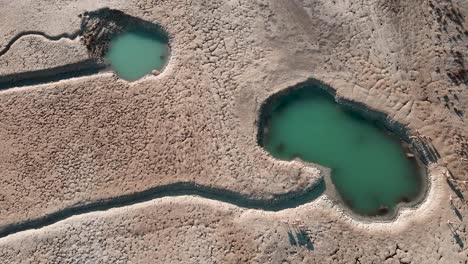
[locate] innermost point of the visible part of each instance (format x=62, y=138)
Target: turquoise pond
x=369, y=167
x=136, y=53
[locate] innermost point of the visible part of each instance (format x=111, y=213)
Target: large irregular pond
x=137, y=53
x=369, y=167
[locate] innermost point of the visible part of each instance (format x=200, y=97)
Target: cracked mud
x=95, y=138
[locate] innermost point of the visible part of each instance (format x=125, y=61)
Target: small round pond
x=136, y=53
x=370, y=170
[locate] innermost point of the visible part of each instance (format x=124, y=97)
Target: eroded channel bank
x=276, y=202
x=10, y=43
x=273, y=203
x=369, y=170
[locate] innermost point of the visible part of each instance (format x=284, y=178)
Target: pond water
x=136, y=53
x=369, y=167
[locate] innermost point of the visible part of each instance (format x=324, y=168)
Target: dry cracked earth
x=75, y=152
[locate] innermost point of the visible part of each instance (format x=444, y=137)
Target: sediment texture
x=34, y=53
x=99, y=137
x=86, y=139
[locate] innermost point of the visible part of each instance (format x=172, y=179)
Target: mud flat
x=83, y=140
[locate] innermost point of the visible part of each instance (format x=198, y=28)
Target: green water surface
x=368, y=166
x=136, y=53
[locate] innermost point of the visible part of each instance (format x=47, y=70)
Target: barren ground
x=82, y=140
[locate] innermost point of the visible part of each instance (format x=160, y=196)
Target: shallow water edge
x=409, y=143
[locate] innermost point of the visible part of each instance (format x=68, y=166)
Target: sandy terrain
x=82, y=140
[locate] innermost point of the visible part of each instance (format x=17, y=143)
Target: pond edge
x=424, y=156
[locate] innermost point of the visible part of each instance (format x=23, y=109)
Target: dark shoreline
x=423, y=154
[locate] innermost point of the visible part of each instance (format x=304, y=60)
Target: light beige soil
x=81, y=140
x=32, y=53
